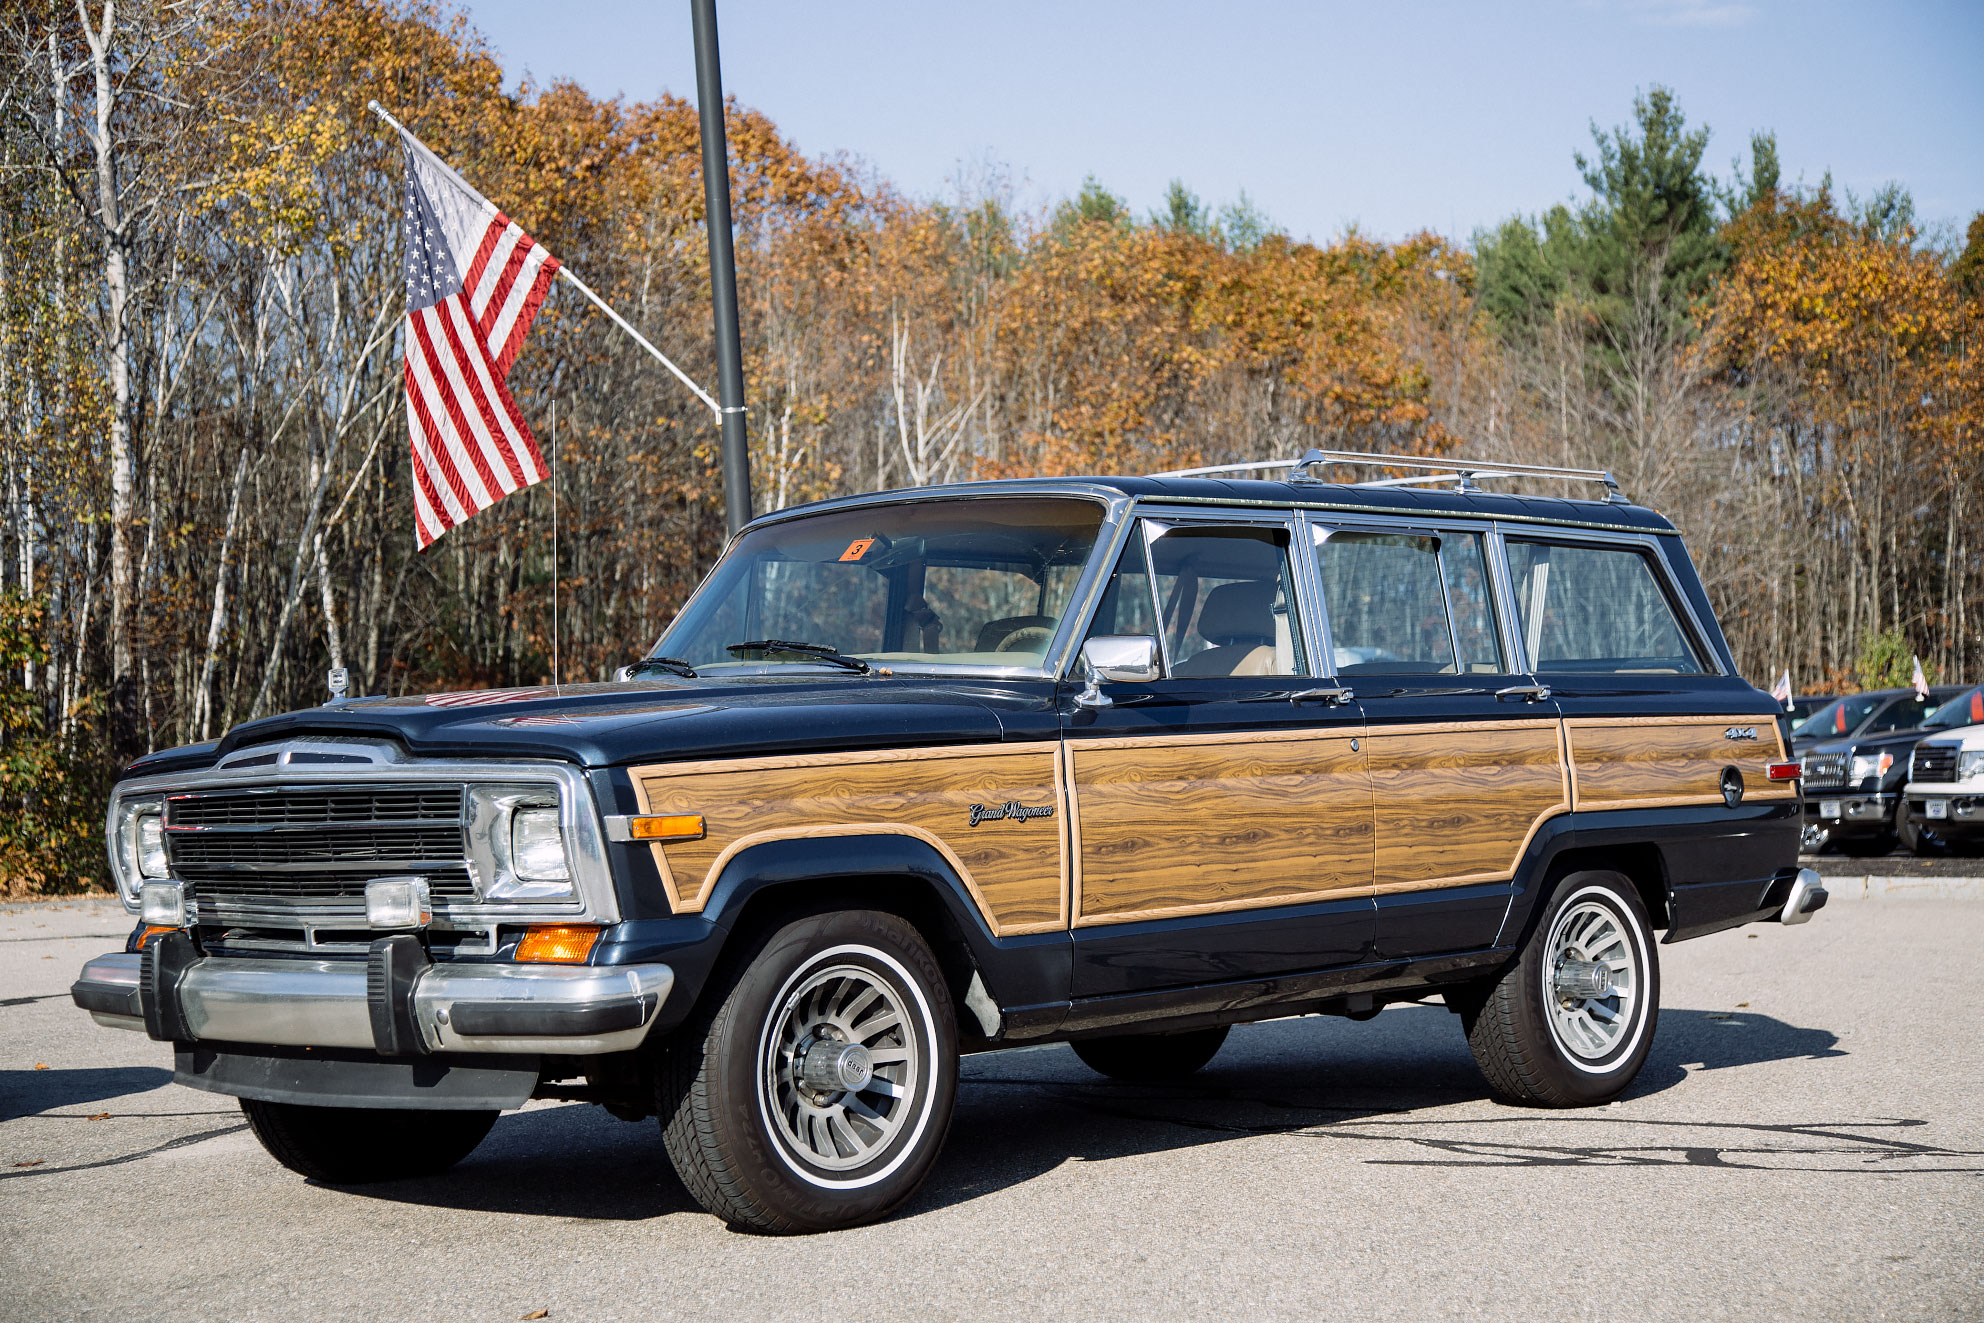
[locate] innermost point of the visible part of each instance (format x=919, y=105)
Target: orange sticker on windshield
x=857, y=548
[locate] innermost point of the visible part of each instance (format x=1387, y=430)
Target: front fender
x=1028, y=976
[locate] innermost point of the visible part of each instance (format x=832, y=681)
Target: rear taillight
x=1785, y=771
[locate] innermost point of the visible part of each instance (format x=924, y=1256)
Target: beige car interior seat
x=1239, y=620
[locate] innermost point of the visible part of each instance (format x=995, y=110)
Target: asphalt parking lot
x=1806, y=1142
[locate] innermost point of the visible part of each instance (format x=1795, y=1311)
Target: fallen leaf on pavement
x=36, y=1163
x=100, y=1116
x=41, y=1065
x=537, y=1313
x=1742, y=1003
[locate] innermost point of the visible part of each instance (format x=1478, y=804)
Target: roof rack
x=1461, y=472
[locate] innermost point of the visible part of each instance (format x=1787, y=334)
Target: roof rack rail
x=1461, y=472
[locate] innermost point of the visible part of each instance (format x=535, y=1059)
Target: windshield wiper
x=813, y=651
x=673, y=665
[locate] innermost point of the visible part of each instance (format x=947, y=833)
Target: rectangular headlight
x=136, y=840
x=516, y=842
x=537, y=844
x=1970, y=764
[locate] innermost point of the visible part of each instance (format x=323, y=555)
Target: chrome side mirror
x=1128, y=658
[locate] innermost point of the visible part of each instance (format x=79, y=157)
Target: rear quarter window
x=1600, y=610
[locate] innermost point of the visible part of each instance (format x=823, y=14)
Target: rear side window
x=1596, y=611
x=1408, y=603
x=1904, y=713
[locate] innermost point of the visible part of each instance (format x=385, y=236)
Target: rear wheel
x=1570, y=1023
x=1151, y=1057
x=817, y=1092
x=360, y=1145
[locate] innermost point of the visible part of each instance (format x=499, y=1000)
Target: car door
x=1465, y=750
x=1222, y=812
x=1654, y=717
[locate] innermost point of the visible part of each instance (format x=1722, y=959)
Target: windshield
x=1842, y=716
x=977, y=582
x=1964, y=710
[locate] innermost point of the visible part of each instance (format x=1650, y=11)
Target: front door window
x=1227, y=601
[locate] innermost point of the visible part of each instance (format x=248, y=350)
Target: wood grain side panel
x=1178, y=826
x=1458, y=804
x=1016, y=869
x=1659, y=762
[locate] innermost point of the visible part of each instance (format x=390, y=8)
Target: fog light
x=162, y=905
x=397, y=902
x=561, y=944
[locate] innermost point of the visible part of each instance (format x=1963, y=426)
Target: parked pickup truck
x=1853, y=787
x=1944, y=800
x=1119, y=762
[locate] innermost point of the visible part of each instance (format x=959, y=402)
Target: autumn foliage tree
x=202, y=437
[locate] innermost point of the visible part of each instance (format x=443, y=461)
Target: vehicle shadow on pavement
x=566, y=1161
x=1022, y=1114
x=32, y=1092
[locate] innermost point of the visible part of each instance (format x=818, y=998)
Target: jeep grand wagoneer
x=1116, y=762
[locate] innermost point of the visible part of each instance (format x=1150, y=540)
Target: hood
x=600, y=725
x=1897, y=742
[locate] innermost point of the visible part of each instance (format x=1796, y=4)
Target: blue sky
x=1392, y=117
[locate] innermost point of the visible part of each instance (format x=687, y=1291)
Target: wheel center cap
x=831, y=1067
x=1584, y=980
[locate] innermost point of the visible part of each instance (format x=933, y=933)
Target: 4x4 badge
x=1012, y=809
x=1740, y=733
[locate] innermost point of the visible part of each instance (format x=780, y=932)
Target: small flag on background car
x=474, y=283
x=1781, y=691
x=1920, y=681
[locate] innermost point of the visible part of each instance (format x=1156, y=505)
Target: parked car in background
x=1852, y=786
x=1873, y=713
x=1943, y=803
x=1797, y=710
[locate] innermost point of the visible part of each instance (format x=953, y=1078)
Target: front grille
x=290, y=888
x=1934, y=762
x=285, y=807
x=1825, y=771
x=298, y=858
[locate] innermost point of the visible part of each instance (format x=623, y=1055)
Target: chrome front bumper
x=559, y=1009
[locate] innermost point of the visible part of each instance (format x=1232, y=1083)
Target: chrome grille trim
x=1934, y=763
x=317, y=815
x=1825, y=771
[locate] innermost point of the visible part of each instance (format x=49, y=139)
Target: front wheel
x=360, y=1145
x=1570, y=1024
x=1913, y=838
x=817, y=1093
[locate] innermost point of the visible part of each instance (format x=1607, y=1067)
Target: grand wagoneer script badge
x=1011, y=810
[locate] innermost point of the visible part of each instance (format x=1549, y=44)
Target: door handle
x=1328, y=694
x=1528, y=693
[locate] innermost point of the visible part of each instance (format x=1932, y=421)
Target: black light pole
x=723, y=270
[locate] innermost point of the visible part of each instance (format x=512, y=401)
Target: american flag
x=474, y=283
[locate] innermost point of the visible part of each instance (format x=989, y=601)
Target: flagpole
x=564, y=271
x=723, y=268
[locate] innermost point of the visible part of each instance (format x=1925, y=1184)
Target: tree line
x=202, y=435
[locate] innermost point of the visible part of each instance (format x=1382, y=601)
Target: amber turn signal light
x=557, y=944
x=145, y=937
x=1785, y=771
x=673, y=827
